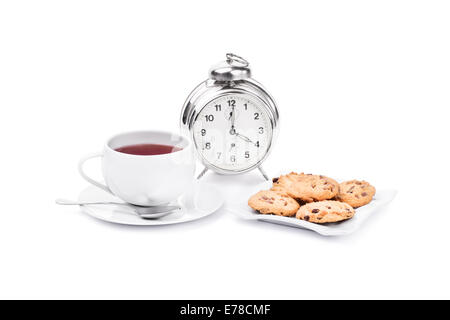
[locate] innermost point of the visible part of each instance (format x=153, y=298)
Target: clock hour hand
x=244, y=138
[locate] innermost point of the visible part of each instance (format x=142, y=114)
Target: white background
x=363, y=92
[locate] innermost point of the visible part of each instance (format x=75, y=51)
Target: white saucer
x=199, y=202
x=381, y=198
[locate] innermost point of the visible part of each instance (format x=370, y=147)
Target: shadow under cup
x=148, y=179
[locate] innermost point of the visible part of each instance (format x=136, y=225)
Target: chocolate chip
x=264, y=198
x=275, y=179
x=306, y=218
x=358, y=183
x=351, y=189
x=364, y=194
x=315, y=210
x=329, y=207
x=321, y=177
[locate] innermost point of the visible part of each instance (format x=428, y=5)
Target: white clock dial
x=233, y=132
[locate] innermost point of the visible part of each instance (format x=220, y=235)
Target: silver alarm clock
x=231, y=118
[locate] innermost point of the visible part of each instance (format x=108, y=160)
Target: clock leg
x=202, y=173
x=264, y=174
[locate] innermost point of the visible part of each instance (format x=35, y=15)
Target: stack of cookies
x=313, y=198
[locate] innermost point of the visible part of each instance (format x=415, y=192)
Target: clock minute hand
x=233, y=117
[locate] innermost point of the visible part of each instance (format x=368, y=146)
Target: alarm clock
x=231, y=119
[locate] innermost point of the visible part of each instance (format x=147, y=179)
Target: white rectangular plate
x=381, y=198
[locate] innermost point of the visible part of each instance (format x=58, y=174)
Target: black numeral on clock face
x=257, y=144
x=245, y=106
x=218, y=107
x=203, y=132
x=256, y=114
x=247, y=154
x=209, y=117
x=208, y=145
x=231, y=103
x=233, y=158
x=261, y=130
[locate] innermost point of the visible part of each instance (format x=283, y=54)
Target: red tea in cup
x=148, y=149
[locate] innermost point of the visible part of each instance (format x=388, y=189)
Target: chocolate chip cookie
x=272, y=202
x=278, y=188
x=325, y=211
x=307, y=187
x=356, y=193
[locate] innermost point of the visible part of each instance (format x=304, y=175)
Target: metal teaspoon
x=153, y=212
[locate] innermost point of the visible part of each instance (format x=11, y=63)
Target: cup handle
x=84, y=175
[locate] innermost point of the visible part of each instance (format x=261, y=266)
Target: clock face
x=233, y=132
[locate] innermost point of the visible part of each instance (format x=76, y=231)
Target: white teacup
x=145, y=180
